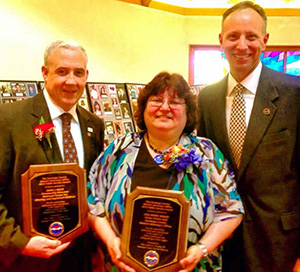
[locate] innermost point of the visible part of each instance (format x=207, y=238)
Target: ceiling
x=217, y=7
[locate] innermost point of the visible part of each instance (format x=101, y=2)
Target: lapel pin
x=90, y=131
x=266, y=111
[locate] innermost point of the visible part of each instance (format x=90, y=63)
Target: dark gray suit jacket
x=18, y=149
x=268, y=179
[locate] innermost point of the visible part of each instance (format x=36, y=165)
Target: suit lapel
x=87, y=133
x=38, y=109
x=262, y=114
x=218, y=107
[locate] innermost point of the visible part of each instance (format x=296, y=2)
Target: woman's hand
x=112, y=242
x=115, y=253
x=193, y=256
x=297, y=266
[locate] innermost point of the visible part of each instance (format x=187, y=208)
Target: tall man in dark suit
x=268, y=171
x=65, y=74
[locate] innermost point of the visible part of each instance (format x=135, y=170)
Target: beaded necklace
x=163, y=153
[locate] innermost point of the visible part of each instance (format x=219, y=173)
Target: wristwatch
x=204, y=249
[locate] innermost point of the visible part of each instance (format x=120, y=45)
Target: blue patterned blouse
x=210, y=187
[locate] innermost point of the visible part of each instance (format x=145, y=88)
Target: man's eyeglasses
x=173, y=103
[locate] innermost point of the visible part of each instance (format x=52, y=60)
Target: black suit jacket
x=268, y=179
x=19, y=148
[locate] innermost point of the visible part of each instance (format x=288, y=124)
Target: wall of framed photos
x=115, y=103
x=11, y=91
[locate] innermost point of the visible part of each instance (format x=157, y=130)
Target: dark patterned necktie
x=70, y=152
x=237, y=126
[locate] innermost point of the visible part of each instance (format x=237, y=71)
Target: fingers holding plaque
x=154, y=235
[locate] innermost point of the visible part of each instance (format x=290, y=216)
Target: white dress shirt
x=55, y=112
x=250, y=83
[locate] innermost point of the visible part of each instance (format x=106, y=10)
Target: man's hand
x=39, y=246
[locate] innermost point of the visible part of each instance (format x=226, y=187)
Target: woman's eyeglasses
x=173, y=103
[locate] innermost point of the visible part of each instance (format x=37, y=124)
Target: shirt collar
x=250, y=82
x=55, y=110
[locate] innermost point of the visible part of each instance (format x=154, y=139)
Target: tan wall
x=205, y=30
x=125, y=42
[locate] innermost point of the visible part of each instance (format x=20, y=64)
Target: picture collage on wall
x=115, y=104
x=11, y=91
x=133, y=91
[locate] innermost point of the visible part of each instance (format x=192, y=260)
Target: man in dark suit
x=65, y=74
x=268, y=171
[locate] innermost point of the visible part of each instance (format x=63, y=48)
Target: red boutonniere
x=44, y=130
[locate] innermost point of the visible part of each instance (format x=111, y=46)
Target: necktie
x=237, y=125
x=70, y=152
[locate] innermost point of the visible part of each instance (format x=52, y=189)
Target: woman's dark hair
x=166, y=81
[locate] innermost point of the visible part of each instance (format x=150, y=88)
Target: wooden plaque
x=54, y=201
x=155, y=228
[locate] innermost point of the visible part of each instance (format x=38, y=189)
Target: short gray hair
x=63, y=44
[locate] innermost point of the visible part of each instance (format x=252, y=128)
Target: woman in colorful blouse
x=166, y=155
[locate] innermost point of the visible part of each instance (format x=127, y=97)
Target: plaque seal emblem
x=151, y=258
x=56, y=228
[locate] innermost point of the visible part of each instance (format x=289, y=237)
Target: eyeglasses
x=173, y=103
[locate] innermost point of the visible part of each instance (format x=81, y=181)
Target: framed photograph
x=31, y=89
x=118, y=115
x=128, y=127
x=125, y=111
x=18, y=89
x=94, y=94
x=106, y=107
x=103, y=91
x=121, y=93
x=118, y=128
x=97, y=108
x=111, y=89
x=114, y=101
x=5, y=89
x=133, y=91
x=83, y=102
x=109, y=127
